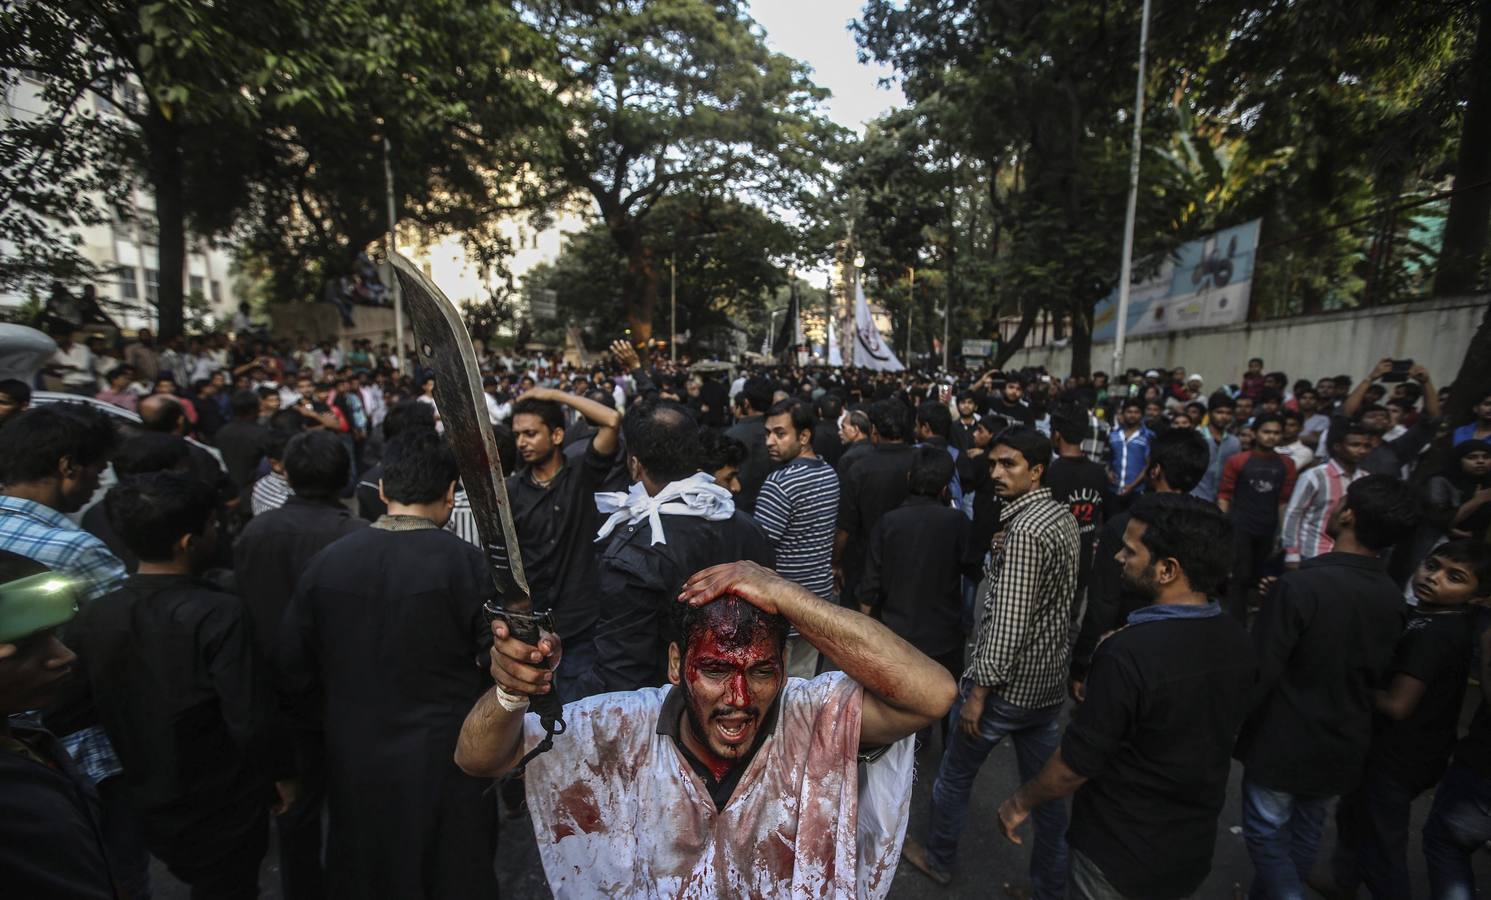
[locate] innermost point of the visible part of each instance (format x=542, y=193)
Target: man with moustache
x=654, y=792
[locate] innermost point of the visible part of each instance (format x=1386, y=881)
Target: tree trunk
x=1007, y=349
x=1469, y=221
x=639, y=285
x=1473, y=381
x=163, y=146
x=1081, y=343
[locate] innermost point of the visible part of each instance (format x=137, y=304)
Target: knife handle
x=528, y=628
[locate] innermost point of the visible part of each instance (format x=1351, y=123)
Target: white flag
x=870, y=349
x=835, y=353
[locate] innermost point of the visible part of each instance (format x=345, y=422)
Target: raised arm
x=605, y=419
x=491, y=740
x=905, y=690
x=1353, y=401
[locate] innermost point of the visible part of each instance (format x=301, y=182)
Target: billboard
x=1204, y=283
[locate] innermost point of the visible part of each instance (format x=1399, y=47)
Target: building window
x=152, y=285
x=217, y=292
x=198, y=286
x=128, y=289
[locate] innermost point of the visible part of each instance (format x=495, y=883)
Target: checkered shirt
x=38, y=532
x=1023, y=642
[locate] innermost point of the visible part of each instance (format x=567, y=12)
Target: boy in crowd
x=1415, y=726
x=1325, y=640
x=1255, y=487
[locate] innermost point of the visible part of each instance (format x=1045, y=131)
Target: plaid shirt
x=1023, y=636
x=38, y=532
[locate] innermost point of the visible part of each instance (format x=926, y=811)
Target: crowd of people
x=774, y=593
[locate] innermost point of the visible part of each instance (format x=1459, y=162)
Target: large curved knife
x=444, y=346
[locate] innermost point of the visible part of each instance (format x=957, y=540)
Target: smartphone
x=1399, y=371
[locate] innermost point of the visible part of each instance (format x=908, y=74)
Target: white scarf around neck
x=696, y=495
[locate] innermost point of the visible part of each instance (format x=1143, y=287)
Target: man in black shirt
x=674, y=522
x=1078, y=482
x=1011, y=405
x=1325, y=639
x=181, y=692
x=828, y=443
x=1149, y=751
x=967, y=420
x=242, y=442
x=408, y=415
x=553, y=503
x=750, y=429
x=1176, y=464
x=1414, y=729
x=269, y=558
x=875, y=485
x=854, y=434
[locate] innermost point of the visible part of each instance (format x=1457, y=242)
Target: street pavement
x=987, y=862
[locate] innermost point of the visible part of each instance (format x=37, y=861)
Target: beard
x=1144, y=584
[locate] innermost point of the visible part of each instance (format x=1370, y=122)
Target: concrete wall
x=1435, y=333
x=314, y=321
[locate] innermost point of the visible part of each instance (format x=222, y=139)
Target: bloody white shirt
x=620, y=813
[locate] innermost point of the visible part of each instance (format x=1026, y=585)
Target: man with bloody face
x=734, y=779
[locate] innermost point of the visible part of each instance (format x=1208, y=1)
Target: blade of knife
x=443, y=345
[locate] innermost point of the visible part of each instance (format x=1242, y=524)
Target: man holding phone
x=1390, y=457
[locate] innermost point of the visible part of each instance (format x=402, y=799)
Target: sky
x=816, y=32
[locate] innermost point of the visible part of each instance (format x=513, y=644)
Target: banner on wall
x=1205, y=283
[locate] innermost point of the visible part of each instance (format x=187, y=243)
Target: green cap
x=35, y=603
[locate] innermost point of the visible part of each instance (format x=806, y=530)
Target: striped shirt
x=270, y=492
x=1317, y=494
x=798, y=508
x=1023, y=645
x=38, y=532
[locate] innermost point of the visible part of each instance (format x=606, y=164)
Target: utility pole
x=672, y=308
x=393, y=278
x=1125, y=271
x=952, y=221
x=910, y=309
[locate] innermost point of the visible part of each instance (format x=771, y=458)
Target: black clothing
x=670, y=723
x=97, y=523
x=1325, y=639
x=387, y=625
x=272, y=553
x=851, y=454
x=209, y=417
x=751, y=431
x=641, y=580
x=875, y=486
x=1154, y=737
x=1109, y=602
x=1389, y=457
x=1474, y=750
x=242, y=444
x=1013, y=413
x=204, y=467
x=51, y=838
x=1435, y=649
x=962, y=435
x=716, y=396
x=1083, y=486
x=369, y=505
x=827, y=444
x=917, y=556
x=973, y=473
x=1263, y=481
x=556, y=531
x=181, y=692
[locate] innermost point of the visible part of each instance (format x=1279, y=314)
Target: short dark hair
x=275, y=444
x=734, y=622
x=1220, y=400
x=1386, y=510
x=859, y=420
x=317, y=464
x=17, y=390
x=1266, y=419
x=1288, y=414
x=418, y=467
x=1342, y=429
x=408, y=415
x=1069, y=422
x=1034, y=446
x=34, y=442
x=1133, y=402
x=800, y=412
x=663, y=438
x=288, y=420
x=1472, y=553
x=151, y=512
x=245, y=404
x=116, y=371
x=1182, y=455
x=829, y=407
x=937, y=418
x=1194, y=533
x=931, y=471
x=150, y=451
x=547, y=411
x=891, y=419
x=757, y=392
x=718, y=450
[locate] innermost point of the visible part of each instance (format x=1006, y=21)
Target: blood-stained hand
x=756, y=584
x=514, y=663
